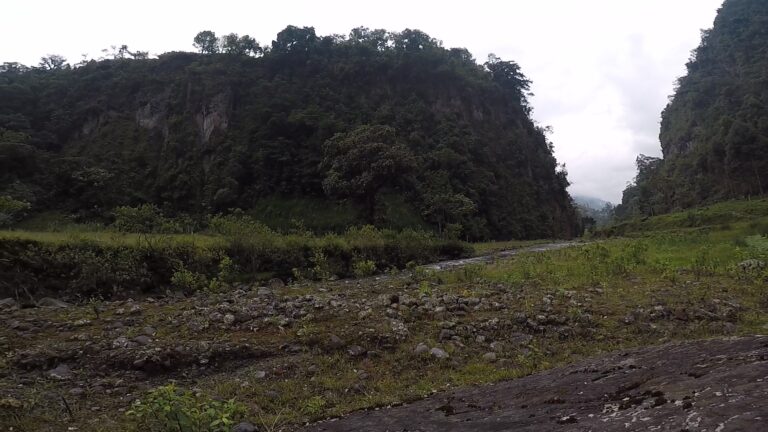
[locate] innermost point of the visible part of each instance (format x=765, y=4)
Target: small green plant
x=364, y=268
x=315, y=405
x=703, y=263
x=170, y=409
x=470, y=273
x=188, y=280
x=425, y=290
x=227, y=274
x=320, y=266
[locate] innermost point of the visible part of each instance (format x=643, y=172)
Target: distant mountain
x=380, y=127
x=714, y=132
x=594, y=212
x=590, y=202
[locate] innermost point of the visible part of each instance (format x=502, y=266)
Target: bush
x=146, y=218
x=11, y=210
x=168, y=409
x=187, y=280
x=364, y=268
x=116, y=266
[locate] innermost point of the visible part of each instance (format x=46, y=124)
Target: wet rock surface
x=712, y=385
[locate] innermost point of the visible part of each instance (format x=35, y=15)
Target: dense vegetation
x=714, y=132
x=113, y=265
x=378, y=128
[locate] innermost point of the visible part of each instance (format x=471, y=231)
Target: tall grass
x=108, y=264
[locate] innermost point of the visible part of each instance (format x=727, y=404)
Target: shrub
x=146, y=218
x=11, y=210
x=168, y=408
x=188, y=280
x=364, y=268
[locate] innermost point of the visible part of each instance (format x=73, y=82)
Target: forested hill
x=714, y=132
x=391, y=128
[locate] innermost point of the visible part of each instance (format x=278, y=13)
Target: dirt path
x=713, y=385
x=485, y=259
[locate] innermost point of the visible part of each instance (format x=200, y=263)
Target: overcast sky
x=602, y=69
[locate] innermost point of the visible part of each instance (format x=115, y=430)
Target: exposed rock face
x=714, y=385
x=213, y=115
x=155, y=112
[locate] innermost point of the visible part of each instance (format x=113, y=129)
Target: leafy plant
x=188, y=280
x=364, y=268
x=315, y=405
x=170, y=409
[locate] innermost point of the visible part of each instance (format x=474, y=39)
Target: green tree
x=239, y=45
x=206, y=42
x=362, y=162
x=294, y=39
x=509, y=76
x=53, y=62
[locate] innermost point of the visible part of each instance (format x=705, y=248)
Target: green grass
x=724, y=213
x=113, y=238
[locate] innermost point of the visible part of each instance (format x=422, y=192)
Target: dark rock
x=356, y=351
x=660, y=392
x=142, y=340
x=336, y=343
x=446, y=334
x=8, y=303
x=61, y=372
x=752, y=265
x=438, y=353
x=245, y=427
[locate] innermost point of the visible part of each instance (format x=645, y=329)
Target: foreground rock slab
x=711, y=385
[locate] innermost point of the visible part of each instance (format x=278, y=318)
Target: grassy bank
x=108, y=264
x=720, y=215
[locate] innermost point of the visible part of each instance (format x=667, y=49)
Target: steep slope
x=196, y=134
x=714, y=132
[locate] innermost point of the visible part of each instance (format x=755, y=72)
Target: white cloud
x=602, y=69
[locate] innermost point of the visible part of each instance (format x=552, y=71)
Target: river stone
x=52, y=303
x=8, y=303
x=438, y=353
x=421, y=349
x=245, y=427
x=61, y=372
x=336, y=342
x=752, y=264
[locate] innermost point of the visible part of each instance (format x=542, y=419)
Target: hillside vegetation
x=714, y=132
x=381, y=128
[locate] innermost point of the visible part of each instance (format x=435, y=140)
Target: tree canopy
x=391, y=126
x=714, y=131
